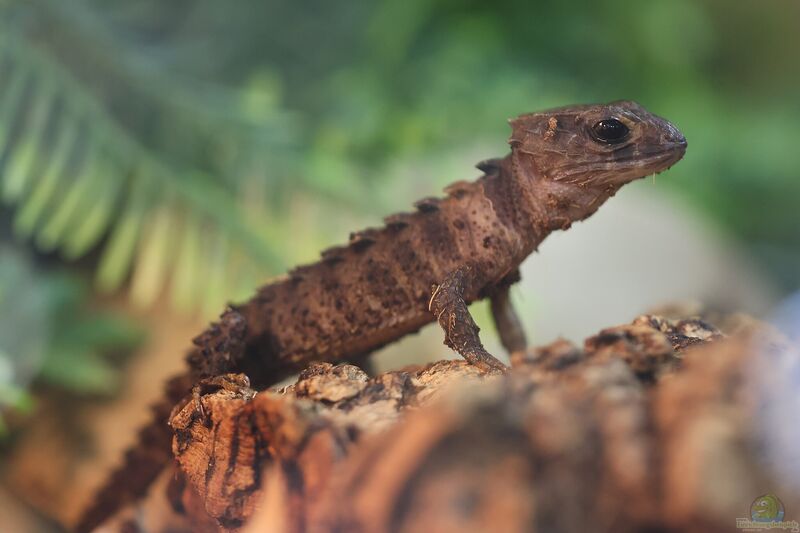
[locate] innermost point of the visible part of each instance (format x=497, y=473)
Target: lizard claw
x=486, y=362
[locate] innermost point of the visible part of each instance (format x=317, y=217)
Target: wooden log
x=651, y=426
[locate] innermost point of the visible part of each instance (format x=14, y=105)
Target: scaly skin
x=563, y=165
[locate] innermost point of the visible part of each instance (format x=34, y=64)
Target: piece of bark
x=721, y=422
x=302, y=431
x=651, y=426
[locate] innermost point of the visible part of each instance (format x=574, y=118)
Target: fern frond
x=21, y=159
x=188, y=268
x=93, y=221
x=63, y=155
x=78, y=179
x=153, y=256
x=75, y=199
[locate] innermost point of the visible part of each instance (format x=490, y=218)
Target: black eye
x=610, y=131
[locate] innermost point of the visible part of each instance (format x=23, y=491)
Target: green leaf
x=84, y=189
x=188, y=273
x=30, y=147
x=54, y=175
x=13, y=97
x=116, y=260
x=153, y=262
x=74, y=202
x=15, y=398
x=99, y=331
x=95, y=219
x=215, y=293
x=79, y=370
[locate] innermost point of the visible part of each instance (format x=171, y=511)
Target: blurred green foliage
x=50, y=335
x=175, y=138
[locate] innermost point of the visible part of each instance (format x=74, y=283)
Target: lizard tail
x=220, y=349
x=142, y=463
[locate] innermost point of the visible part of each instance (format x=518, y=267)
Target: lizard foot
x=485, y=361
x=461, y=333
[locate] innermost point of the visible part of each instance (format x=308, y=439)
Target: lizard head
x=603, y=146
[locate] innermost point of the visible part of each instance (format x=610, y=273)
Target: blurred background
x=158, y=159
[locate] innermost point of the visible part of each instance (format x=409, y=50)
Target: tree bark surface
x=654, y=426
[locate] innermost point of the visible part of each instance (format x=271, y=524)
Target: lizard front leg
x=461, y=333
x=506, y=320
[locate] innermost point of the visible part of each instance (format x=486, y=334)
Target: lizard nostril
x=674, y=136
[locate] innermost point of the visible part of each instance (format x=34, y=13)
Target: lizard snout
x=674, y=137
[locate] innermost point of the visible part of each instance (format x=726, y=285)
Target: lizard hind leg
x=461, y=333
x=366, y=363
x=506, y=320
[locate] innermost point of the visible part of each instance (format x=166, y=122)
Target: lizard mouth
x=655, y=163
x=622, y=170
x=665, y=159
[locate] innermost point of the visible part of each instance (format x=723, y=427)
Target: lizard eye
x=610, y=130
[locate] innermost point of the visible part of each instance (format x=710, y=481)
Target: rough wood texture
x=654, y=426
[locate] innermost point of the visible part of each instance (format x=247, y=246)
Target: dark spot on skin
x=489, y=166
x=333, y=255
x=359, y=243
x=487, y=242
x=397, y=221
x=427, y=205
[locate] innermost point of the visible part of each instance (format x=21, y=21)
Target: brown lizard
x=421, y=267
